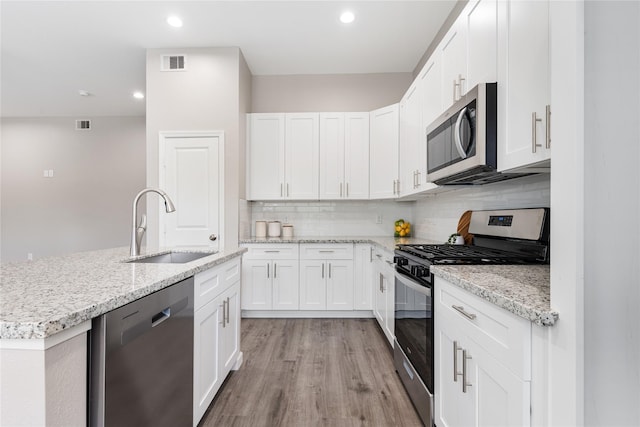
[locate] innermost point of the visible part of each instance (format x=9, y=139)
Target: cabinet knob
x=213, y=237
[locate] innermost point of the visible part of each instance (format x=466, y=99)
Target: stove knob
x=400, y=260
x=419, y=271
x=414, y=270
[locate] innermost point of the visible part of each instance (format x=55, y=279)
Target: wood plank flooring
x=312, y=372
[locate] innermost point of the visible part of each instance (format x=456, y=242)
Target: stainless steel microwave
x=462, y=142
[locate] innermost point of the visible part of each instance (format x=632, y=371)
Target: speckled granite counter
x=522, y=290
x=43, y=297
x=388, y=243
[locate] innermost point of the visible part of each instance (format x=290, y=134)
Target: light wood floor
x=313, y=372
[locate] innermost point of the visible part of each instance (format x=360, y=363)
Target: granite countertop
x=521, y=289
x=388, y=243
x=43, y=297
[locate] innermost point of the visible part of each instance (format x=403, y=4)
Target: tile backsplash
x=333, y=218
x=434, y=217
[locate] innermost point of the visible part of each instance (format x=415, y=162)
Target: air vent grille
x=173, y=63
x=83, y=124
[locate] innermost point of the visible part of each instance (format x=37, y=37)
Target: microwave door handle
x=456, y=134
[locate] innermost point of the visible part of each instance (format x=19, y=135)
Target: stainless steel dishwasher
x=141, y=365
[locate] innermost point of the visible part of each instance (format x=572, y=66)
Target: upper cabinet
x=524, y=85
x=383, y=155
x=453, y=56
x=481, y=19
x=282, y=156
x=344, y=156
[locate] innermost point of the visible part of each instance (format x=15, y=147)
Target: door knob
x=213, y=237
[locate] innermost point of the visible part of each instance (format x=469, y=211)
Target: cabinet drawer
x=210, y=283
x=272, y=251
x=326, y=251
x=505, y=336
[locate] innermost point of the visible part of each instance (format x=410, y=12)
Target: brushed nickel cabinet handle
x=287, y=189
x=275, y=270
x=223, y=316
x=347, y=192
x=460, y=80
x=323, y=270
x=281, y=193
x=548, y=127
x=455, y=361
x=228, y=310
x=267, y=270
x=465, y=384
x=534, y=132
x=455, y=84
x=460, y=309
x=340, y=189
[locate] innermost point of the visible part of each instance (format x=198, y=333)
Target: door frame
x=163, y=137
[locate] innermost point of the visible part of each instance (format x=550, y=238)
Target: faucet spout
x=138, y=231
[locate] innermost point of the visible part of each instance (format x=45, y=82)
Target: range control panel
x=501, y=221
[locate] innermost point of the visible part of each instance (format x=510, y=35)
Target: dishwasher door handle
x=160, y=317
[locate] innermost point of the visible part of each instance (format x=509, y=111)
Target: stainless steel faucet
x=138, y=232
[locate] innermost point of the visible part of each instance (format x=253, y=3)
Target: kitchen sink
x=172, y=258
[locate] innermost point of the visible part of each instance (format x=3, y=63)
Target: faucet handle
x=143, y=222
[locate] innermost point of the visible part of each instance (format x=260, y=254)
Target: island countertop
x=44, y=297
x=523, y=290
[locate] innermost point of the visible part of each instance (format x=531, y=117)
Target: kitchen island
x=46, y=309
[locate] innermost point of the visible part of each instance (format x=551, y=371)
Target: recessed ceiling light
x=347, y=17
x=138, y=95
x=174, y=21
x=83, y=92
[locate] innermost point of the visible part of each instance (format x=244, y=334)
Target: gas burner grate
x=464, y=254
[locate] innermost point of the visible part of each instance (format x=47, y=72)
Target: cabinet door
x=256, y=284
x=302, y=156
x=313, y=288
x=379, y=299
x=411, y=145
x=207, y=377
x=432, y=94
x=383, y=172
x=332, y=155
x=230, y=331
x=356, y=153
x=363, y=277
x=285, y=285
x=502, y=398
x=453, y=56
x=482, y=28
x=523, y=64
x=388, y=286
x=339, y=284
x=265, y=158
x=447, y=410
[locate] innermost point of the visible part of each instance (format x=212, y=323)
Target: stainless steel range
x=516, y=236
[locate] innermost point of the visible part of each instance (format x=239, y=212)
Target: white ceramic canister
x=287, y=231
x=261, y=228
x=274, y=228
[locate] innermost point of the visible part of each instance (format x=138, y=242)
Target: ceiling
x=52, y=49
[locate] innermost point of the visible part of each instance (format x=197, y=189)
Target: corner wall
x=87, y=203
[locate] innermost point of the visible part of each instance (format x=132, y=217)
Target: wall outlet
x=29, y=256
x=378, y=219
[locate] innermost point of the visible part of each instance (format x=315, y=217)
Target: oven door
x=414, y=325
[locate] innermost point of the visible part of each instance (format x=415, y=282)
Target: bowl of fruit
x=402, y=228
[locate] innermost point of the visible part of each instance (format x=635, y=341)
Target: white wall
x=209, y=95
x=612, y=214
x=87, y=203
x=333, y=92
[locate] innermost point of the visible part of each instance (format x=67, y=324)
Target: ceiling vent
x=173, y=63
x=83, y=124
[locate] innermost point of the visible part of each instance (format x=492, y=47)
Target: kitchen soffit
x=50, y=49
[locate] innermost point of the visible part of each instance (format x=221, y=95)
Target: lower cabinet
x=326, y=285
x=363, y=277
x=482, y=361
x=216, y=332
x=384, y=292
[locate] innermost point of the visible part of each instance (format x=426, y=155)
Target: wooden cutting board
x=463, y=227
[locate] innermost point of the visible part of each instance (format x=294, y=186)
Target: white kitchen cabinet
x=453, y=56
x=431, y=77
x=363, y=277
x=412, y=153
x=216, y=332
x=302, y=145
x=383, y=160
x=265, y=156
x=270, y=277
x=283, y=156
x=326, y=277
x=481, y=18
x=384, y=292
x=524, y=85
x=482, y=361
x=344, y=156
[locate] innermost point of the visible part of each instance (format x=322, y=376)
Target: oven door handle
x=413, y=285
x=456, y=134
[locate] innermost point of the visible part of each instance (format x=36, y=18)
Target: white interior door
x=192, y=175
